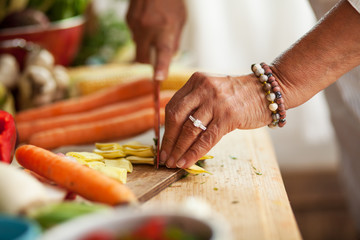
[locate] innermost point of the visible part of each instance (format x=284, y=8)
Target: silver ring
x=197, y=123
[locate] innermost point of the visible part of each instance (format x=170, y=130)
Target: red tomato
x=153, y=229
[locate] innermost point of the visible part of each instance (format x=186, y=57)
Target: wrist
x=273, y=93
x=256, y=105
x=285, y=88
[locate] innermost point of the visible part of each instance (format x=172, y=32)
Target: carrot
x=74, y=176
x=109, y=129
x=26, y=129
x=85, y=103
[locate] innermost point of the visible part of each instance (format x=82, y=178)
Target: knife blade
x=157, y=120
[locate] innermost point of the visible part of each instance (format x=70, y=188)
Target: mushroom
x=62, y=80
x=40, y=57
x=42, y=82
x=36, y=87
x=9, y=70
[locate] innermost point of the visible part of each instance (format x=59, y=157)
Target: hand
x=156, y=25
x=222, y=103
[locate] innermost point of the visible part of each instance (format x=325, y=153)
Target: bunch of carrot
x=113, y=113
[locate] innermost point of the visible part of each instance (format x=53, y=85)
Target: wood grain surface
x=246, y=188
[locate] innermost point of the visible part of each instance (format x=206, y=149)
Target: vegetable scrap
x=215, y=189
x=185, y=175
x=195, y=169
x=232, y=157
x=200, y=163
x=256, y=171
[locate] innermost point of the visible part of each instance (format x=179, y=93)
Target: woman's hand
x=222, y=103
x=156, y=26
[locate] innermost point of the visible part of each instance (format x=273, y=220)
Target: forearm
x=329, y=50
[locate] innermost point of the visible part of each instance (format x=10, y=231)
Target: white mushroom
x=40, y=58
x=36, y=87
x=61, y=77
x=62, y=80
x=9, y=70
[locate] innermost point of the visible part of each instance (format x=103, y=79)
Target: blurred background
x=219, y=36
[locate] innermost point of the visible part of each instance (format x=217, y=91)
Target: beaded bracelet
x=273, y=94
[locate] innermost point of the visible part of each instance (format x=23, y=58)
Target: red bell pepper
x=7, y=137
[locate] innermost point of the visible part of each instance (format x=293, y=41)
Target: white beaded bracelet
x=273, y=94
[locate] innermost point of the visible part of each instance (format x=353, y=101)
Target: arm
x=224, y=103
x=328, y=51
x=156, y=25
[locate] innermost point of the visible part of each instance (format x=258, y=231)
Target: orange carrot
x=108, y=129
x=74, y=176
x=26, y=129
x=85, y=103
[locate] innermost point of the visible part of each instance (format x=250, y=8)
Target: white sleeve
x=355, y=4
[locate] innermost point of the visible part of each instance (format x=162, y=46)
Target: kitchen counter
x=245, y=187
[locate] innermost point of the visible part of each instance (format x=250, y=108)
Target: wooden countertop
x=246, y=188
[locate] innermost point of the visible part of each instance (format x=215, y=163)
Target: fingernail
x=170, y=162
x=181, y=163
x=159, y=75
x=163, y=156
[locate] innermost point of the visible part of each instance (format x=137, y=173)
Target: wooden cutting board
x=146, y=181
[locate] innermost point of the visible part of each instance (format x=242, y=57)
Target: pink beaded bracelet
x=273, y=94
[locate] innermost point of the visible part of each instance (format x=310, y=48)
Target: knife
x=157, y=120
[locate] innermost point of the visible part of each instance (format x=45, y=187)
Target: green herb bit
x=222, y=165
x=200, y=163
x=155, y=142
x=256, y=171
x=202, y=183
x=215, y=189
x=232, y=157
x=185, y=175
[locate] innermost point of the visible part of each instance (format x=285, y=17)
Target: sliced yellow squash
x=118, y=153
x=140, y=160
x=119, y=174
x=195, y=169
x=108, y=146
x=86, y=156
x=119, y=163
x=140, y=152
x=206, y=157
